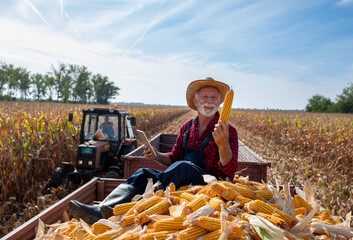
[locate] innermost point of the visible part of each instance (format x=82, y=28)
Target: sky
x=276, y=54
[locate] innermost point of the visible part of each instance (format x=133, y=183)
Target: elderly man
x=204, y=145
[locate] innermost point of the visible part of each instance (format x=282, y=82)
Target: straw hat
x=198, y=84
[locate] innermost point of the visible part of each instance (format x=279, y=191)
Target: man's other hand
x=148, y=154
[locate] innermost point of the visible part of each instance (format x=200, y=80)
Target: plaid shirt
x=210, y=152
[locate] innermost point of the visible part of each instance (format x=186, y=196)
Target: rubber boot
x=122, y=194
x=92, y=213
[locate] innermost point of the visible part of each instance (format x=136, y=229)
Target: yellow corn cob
x=160, y=208
x=210, y=193
x=227, y=105
x=123, y=208
x=301, y=216
x=175, y=200
x=325, y=214
x=80, y=234
x=159, y=193
x=261, y=206
x=324, y=237
x=286, y=217
x=195, y=204
x=173, y=223
x=242, y=200
x=156, y=235
x=172, y=187
x=132, y=210
x=209, y=223
x=127, y=220
x=275, y=205
x=214, y=235
x=132, y=236
x=73, y=232
x=184, y=188
x=147, y=204
x=217, y=188
x=68, y=228
x=88, y=236
x=216, y=203
x=216, y=214
x=230, y=194
x=98, y=228
x=176, y=193
x=187, y=196
x=265, y=193
x=248, y=193
x=241, y=185
x=303, y=203
x=193, y=232
x=329, y=221
x=204, y=189
x=106, y=235
x=295, y=203
x=279, y=222
x=301, y=210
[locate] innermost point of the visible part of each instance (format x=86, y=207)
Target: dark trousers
x=181, y=173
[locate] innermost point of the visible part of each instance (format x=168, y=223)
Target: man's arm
x=221, y=138
x=162, y=158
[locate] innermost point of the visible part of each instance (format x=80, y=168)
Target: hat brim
x=198, y=84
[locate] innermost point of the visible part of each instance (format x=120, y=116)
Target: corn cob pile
x=240, y=209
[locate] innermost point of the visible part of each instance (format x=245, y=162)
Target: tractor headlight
x=90, y=163
x=80, y=162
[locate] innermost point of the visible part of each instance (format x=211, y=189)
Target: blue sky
x=275, y=54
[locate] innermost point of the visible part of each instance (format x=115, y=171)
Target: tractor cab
x=106, y=134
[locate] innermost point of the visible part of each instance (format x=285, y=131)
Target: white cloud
x=344, y=2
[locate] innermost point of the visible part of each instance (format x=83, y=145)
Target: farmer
x=107, y=127
x=204, y=145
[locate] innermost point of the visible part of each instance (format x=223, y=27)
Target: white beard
x=202, y=110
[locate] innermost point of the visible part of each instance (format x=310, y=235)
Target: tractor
x=106, y=134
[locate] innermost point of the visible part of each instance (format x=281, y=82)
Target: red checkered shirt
x=210, y=152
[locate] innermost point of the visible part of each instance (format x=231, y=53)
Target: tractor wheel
x=59, y=177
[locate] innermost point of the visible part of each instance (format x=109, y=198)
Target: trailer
x=249, y=164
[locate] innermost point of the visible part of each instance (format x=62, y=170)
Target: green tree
x=83, y=85
x=345, y=100
x=63, y=82
x=49, y=81
x=103, y=89
x=24, y=81
x=4, y=79
x=13, y=80
x=38, y=83
x=319, y=103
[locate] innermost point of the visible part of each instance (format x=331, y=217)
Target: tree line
x=65, y=83
x=343, y=103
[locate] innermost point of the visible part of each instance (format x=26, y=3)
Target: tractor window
x=90, y=125
x=108, y=124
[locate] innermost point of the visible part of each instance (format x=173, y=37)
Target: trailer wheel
x=59, y=177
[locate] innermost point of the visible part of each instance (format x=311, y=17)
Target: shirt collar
x=212, y=123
